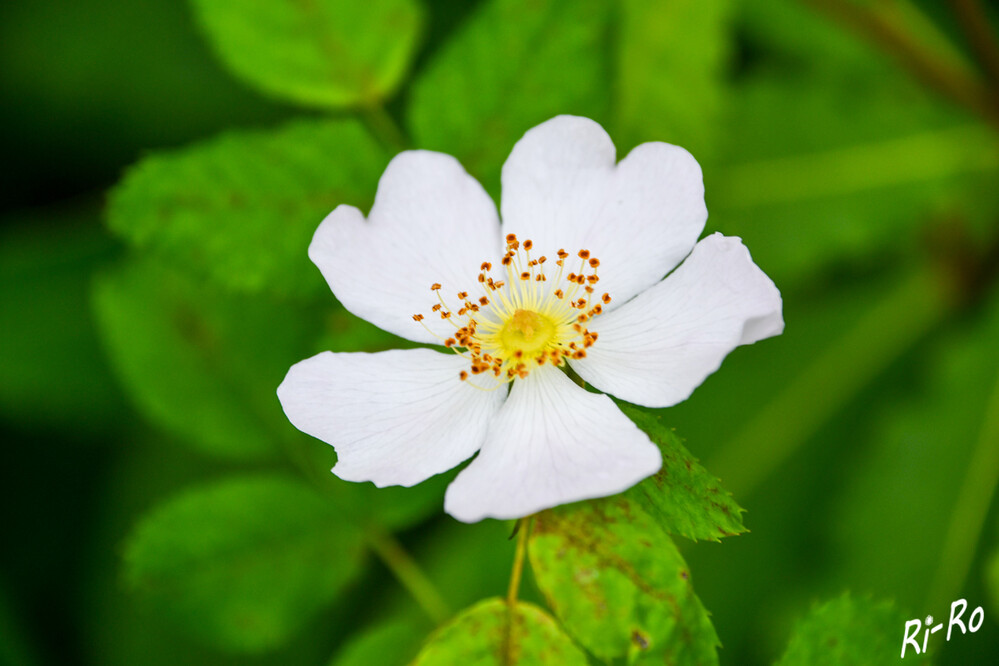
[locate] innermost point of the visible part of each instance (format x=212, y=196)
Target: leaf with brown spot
x=619, y=585
x=476, y=637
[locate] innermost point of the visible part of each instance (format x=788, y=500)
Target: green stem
x=828, y=383
x=409, y=574
x=383, y=126
x=970, y=510
x=513, y=590
x=884, y=25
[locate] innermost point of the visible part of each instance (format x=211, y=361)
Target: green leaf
x=670, y=69
x=241, y=209
x=619, y=585
x=682, y=497
x=244, y=563
x=322, y=53
x=392, y=643
x=201, y=363
x=847, y=631
x=513, y=65
x=478, y=636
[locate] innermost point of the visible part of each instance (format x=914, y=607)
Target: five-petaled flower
x=572, y=277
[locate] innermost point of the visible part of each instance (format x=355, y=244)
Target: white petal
x=657, y=348
x=551, y=443
x=431, y=222
x=561, y=189
x=395, y=417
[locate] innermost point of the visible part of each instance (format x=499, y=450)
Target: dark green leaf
x=848, y=631
x=619, y=585
x=244, y=563
x=513, y=65
x=322, y=53
x=393, y=643
x=478, y=637
x=241, y=209
x=201, y=363
x=682, y=496
x=669, y=72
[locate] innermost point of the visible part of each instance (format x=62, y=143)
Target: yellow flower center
x=525, y=321
x=527, y=332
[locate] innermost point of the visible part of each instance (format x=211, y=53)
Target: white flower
x=573, y=274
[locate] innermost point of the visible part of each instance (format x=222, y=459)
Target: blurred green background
x=168, y=162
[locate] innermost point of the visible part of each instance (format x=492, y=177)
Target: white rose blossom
x=572, y=275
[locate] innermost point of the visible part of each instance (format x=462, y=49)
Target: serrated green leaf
x=393, y=643
x=670, y=72
x=619, y=585
x=682, y=497
x=243, y=563
x=201, y=363
x=513, y=65
x=477, y=637
x=324, y=53
x=845, y=632
x=241, y=209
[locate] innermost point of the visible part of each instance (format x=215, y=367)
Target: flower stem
x=970, y=510
x=409, y=574
x=523, y=533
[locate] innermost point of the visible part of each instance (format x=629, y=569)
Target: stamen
x=515, y=325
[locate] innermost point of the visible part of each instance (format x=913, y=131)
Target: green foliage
x=992, y=576
x=832, y=153
x=619, y=585
x=245, y=562
x=682, y=497
x=199, y=362
x=52, y=371
x=859, y=439
x=241, y=209
x=916, y=468
x=317, y=52
x=669, y=72
x=393, y=643
x=482, y=636
x=847, y=631
x=513, y=65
